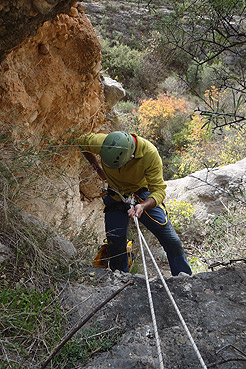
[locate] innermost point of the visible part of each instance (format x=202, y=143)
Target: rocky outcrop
x=209, y=190
x=50, y=85
x=113, y=92
x=212, y=305
x=20, y=19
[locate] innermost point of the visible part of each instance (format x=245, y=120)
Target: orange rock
x=45, y=92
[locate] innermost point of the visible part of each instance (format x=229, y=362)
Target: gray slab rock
x=206, y=188
x=212, y=304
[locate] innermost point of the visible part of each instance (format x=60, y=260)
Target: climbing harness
x=132, y=201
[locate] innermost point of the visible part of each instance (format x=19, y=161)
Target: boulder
x=113, y=92
x=208, y=190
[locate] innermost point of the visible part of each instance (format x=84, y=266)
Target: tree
x=210, y=34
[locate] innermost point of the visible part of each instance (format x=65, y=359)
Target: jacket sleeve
x=91, y=142
x=154, y=177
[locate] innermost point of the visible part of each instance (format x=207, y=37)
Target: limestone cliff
x=50, y=85
x=21, y=18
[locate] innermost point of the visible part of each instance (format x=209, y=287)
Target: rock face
x=212, y=305
x=50, y=85
x=207, y=190
x=48, y=240
x=20, y=19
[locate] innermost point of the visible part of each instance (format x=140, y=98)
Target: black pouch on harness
x=121, y=206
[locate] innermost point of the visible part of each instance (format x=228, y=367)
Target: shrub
x=202, y=77
x=180, y=213
x=233, y=147
x=121, y=62
x=81, y=347
x=197, y=146
x=139, y=71
x=173, y=85
x=219, y=234
x=125, y=107
x=29, y=319
x=156, y=116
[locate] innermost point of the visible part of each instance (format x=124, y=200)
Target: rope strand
x=173, y=301
x=158, y=345
x=130, y=200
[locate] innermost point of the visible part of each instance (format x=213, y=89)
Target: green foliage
x=81, y=347
x=197, y=266
x=172, y=59
x=138, y=71
x=22, y=309
x=121, y=62
x=232, y=149
x=198, y=148
x=125, y=106
x=71, y=354
x=180, y=213
x=29, y=318
x=136, y=268
x=203, y=31
x=32, y=319
x=202, y=77
x=224, y=236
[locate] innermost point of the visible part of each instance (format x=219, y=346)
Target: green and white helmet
x=117, y=149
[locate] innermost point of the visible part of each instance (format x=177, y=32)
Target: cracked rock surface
x=212, y=305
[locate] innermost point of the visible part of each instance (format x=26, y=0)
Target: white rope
x=150, y=298
x=141, y=238
x=140, y=235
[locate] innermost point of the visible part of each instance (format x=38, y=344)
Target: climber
x=131, y=165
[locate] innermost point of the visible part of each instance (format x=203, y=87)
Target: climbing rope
x=131, y=200
x=158, y=345
x=141, y=238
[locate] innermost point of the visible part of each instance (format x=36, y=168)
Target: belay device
x=103, y=255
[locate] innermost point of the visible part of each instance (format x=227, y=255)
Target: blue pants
x=156, y=221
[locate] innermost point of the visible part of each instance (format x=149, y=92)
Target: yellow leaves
x=155, y=114
x=211, y=152
x=233, y=148
x=165, y=106
x=180, y=213
x=214, y=96
x=197, y=133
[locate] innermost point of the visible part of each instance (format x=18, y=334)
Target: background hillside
x=182, y=71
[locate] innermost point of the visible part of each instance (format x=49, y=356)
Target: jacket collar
x=139, y=150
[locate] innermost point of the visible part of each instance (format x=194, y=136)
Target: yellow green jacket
x=145, y=170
